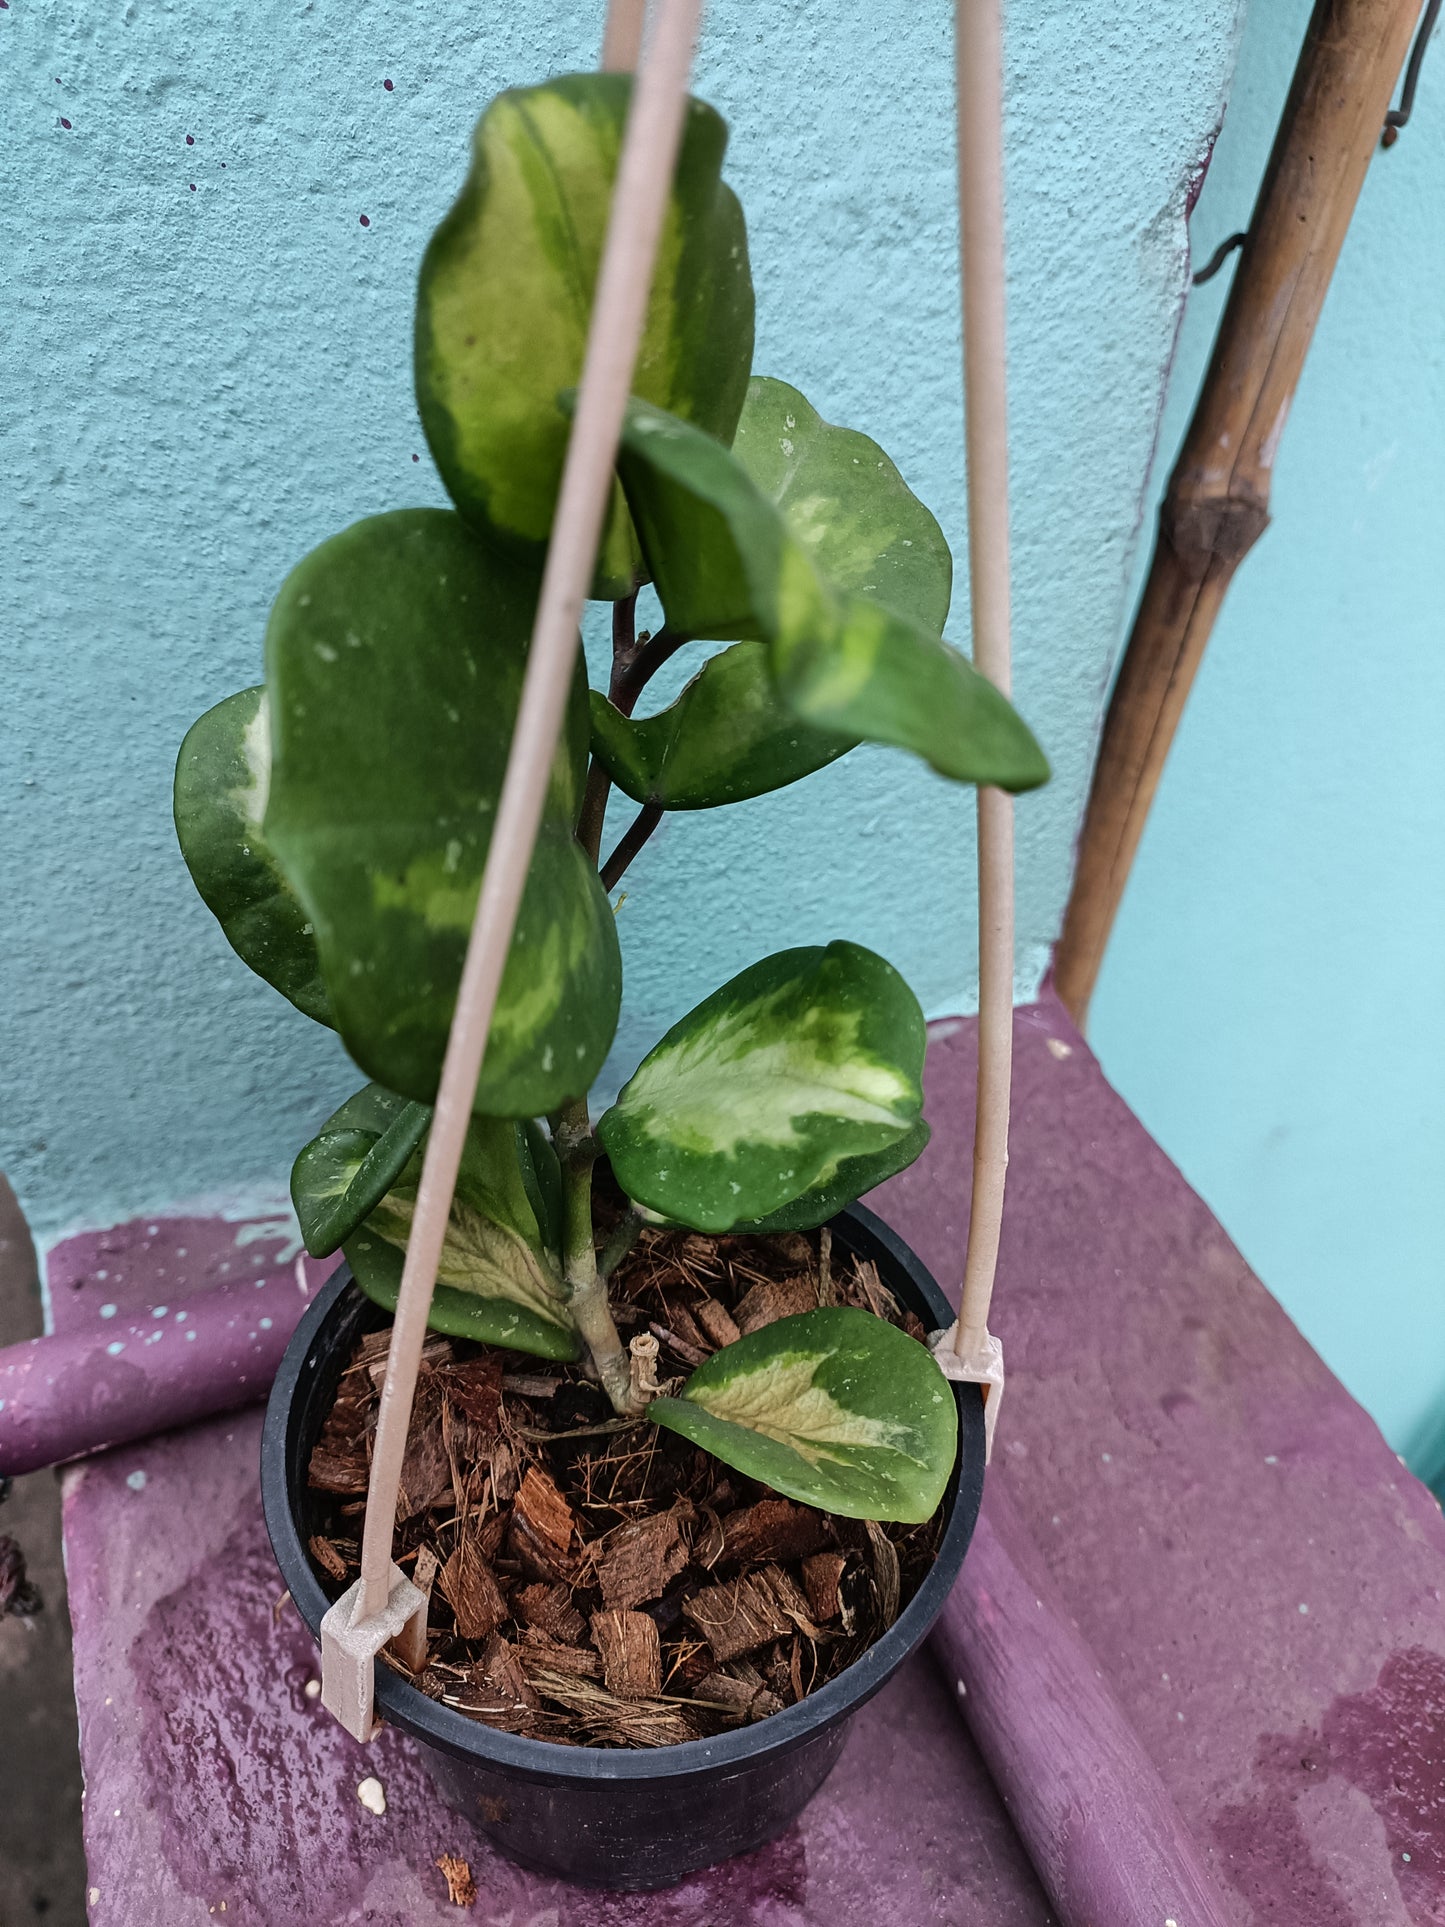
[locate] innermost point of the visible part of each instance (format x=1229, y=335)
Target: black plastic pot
x=612, y=1818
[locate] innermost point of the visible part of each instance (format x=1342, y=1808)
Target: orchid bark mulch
x=598, y=1585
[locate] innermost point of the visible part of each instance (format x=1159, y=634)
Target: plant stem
x=586, y=1289
x=629, y=843
x=634, y=664
x=624, y=1237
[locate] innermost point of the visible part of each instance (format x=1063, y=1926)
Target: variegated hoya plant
x=336, y=818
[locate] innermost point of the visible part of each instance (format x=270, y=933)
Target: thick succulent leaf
x=836, y=1408
x=506, y=295
x=844, y=1184
x=845, y=502
x=803, y=1060
x=222, y=776
x=395, y=656
x=727, y=566
x=728, y=736
x=376, y=1264
x=499, y=1279
x=352, y=1162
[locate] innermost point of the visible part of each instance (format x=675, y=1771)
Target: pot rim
x=858, y=1230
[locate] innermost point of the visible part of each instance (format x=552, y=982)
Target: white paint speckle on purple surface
x=115, y=1348
x=109, y=1311
x=136, y=1481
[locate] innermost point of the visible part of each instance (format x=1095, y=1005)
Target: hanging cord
x=981, y=240
x=644, y=179
x=1397, y=116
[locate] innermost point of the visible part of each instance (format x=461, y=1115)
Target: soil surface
x=606, y=1585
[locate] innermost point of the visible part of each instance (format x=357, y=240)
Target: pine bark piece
x=746, y=1700
x=474, y=1387
x=604, y=1716
x=500, y=1670
x=550, y=1610
x=341, y=1457
x=885, y=1574
x=821, y=1574
x=717, y=1322
x=328, y=1557
x=631, y=1653
x=543, y=1528
x=538, y=1653
x=772, y=1529
x=470, y=1588
x=461, y=1884
x=637, y=1561
x=739, y=1615
x=774, y=1298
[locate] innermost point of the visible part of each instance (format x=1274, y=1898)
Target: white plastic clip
x=349, y=1648
x=983, y=1366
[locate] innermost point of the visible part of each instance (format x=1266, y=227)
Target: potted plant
x=736, y=1414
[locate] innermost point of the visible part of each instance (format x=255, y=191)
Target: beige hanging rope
x=383, y=1605
x=967, y=1350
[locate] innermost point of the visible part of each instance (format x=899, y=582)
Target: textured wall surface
x=205, y=359
x=1270, y=1004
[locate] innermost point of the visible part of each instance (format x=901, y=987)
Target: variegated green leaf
x=499, y=1280
x=806, y=1059
x=506, y=295
x=729, y=566
x=845, y=502
x=836, y=1408
x=728, y=736
x=223, y=774
x=844, y=1184
x=395, y=656
x=352, y=1162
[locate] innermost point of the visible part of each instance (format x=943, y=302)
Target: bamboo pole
x=644, y=179
x=622, y=36
x=978, y=47
x=1217, y=504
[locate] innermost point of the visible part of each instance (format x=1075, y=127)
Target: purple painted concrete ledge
x=1259, y=1579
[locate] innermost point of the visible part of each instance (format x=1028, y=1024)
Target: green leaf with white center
x=499, y=1280
x=352, y=1162
x=395, y=655
x=835, y=1408
x=223, y=774
x=844, y=1185
x=728, y=565
x=843, y=499
x=806, y=1059
x=505, y=299
x=728, y=736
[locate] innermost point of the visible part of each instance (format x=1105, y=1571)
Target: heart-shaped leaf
x=395, y=656
x=499, y=1280
x=728, y=566
x=835, y=1408
x=843, y=1185
x=506, y=296
x=806, y=1059
x=352, y=1162
x=845, y=502
x=223, y=774
x=728, y=736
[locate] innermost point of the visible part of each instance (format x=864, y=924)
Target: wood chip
x=461, y=1887
x=605, y=1716
x=550, y=1610
x=772, y=1529
x=792, y=1602
x=689, y=1354
x=738, y=1615
x=707, y=1540
x=470, y=1588
x=504, y=1472
x=474, y=1387
x=771, y=1299
x=500, y=1670
x=426, y=1471
x=717, y=1321
x=530, y=1385
x=821, y=1574
x=636, y=1561
x=631, y=1653
x=341, y=1457
x=328, y=1557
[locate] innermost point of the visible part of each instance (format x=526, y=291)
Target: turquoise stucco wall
x=1271, y=1001
x=204, y=359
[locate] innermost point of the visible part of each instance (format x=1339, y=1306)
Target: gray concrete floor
x=42, y=1866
